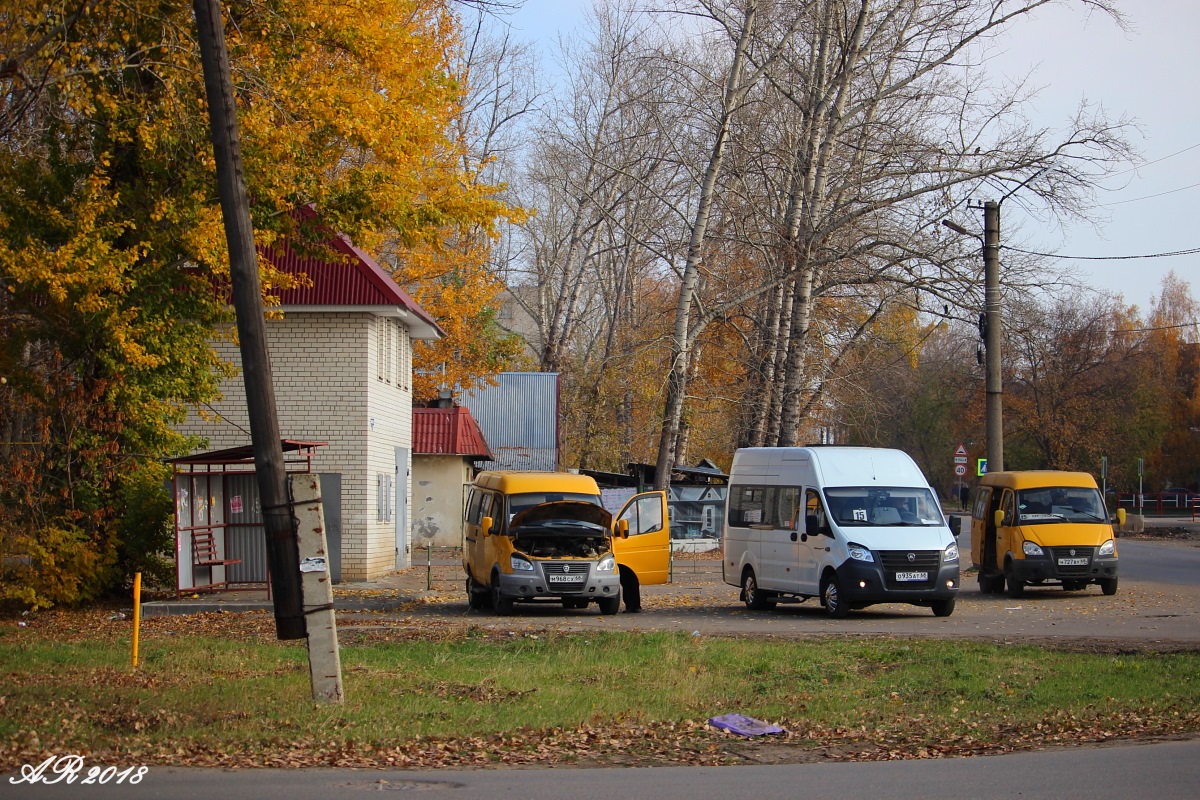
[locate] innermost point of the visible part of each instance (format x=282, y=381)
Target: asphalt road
x=1169, y=563
x=1169, y=771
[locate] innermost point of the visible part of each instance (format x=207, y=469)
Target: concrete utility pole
x=283, y=557
x=993, y=377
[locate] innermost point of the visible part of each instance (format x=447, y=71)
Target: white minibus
x=853, y=526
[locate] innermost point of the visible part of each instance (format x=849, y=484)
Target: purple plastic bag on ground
x=743, y=726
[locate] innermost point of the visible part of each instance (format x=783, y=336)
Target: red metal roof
x=448, y=431
x=356, y=280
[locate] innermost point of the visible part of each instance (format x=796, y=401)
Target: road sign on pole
x=981, y=467
x=960, y=469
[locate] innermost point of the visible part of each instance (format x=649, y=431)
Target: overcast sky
x=1149, y=74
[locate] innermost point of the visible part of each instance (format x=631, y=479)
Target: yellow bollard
x=137, y=613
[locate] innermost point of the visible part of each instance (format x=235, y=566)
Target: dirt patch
x=1167, y=533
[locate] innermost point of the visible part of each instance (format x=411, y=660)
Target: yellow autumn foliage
x=108, y=191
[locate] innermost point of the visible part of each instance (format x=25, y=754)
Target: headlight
x=1108, y=548
x=860, y=553
x=606, y=564
x=950, y=554
x=1031, y=549
x=521, y=565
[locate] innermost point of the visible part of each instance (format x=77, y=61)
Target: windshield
x=1059, y=504
x=889, y=506
x=522, y=501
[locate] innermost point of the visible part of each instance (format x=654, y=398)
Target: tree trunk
x=682, y=337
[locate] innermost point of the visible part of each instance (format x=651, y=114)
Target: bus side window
x=814, y=513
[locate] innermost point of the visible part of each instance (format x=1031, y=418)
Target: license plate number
x=565, y=578
x=1072, y=562
x=912, y=576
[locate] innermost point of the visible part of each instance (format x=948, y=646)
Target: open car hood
x=565, y=510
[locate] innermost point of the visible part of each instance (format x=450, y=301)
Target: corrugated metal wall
x=244, y=529
x=519, y=419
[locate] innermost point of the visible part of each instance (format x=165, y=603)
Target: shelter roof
x=295, y=452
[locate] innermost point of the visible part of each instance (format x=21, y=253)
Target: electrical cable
x=1188, y=252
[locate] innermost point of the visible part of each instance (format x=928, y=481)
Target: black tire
x=477, y=596
x=609, y=605
x=991, y=584
x=756, y=599
x=832, y=598
x=1108, y=586
x=943, y=608
x=500, y=603
x=1016, y=588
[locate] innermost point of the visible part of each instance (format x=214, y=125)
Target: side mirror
x=623, y=528
x=811, y=525
x=1121, y=517
x=485, y=527
x=998, y=517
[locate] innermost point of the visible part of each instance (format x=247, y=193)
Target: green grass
x=216, y=695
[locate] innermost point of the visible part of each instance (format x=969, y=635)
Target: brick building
x=341, y=359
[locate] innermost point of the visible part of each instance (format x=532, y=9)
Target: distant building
x=519, y=420
x=696, y=498
x=447, y=443
x=516, y=315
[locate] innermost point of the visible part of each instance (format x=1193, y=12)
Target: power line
x=1188, y=252
x=1155, y=161
x=1147, y=197
x=1159, y=328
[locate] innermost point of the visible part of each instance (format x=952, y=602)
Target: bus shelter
x=220, y=542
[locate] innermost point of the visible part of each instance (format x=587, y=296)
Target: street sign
x=960, y=459
x=981, y=467
x=961, y=450
x=960, y=469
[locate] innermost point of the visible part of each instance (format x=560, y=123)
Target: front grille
x=578, y=570
x=1071, y=570
x=927, y=561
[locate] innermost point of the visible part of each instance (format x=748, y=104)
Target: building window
x=384, y=494
x=381, y=348
x=404, y=357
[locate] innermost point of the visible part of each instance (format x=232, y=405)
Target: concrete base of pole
x=1134, y=523
x=324, y=659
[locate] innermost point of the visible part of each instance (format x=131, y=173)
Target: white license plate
x=565, y=578
x=1072, y=562
x=912, y=576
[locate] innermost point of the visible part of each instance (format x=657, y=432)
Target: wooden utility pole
x=283, y=557
x=993, y=376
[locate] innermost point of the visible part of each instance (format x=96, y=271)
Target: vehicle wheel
x=832, y=599
x=1016, y=588
x=477, y=596
x=1073, y=586
x=1109, y=585
x=991, y=584
x=756, y=599
x=609, y=605
x=501, y=603
x=943, y=608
